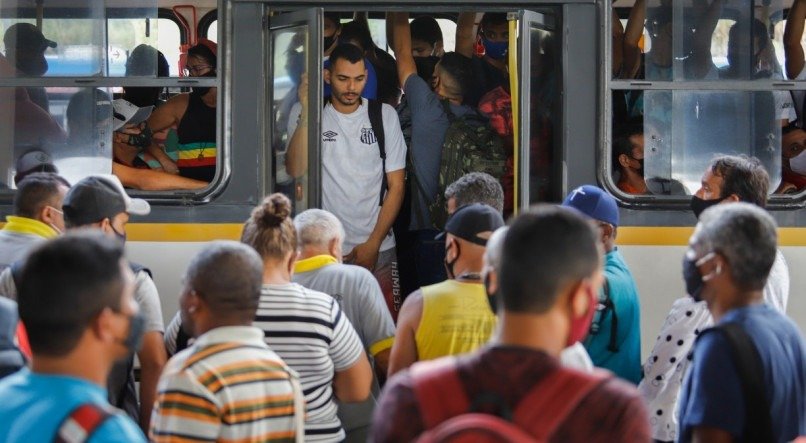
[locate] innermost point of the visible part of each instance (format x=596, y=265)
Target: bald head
x=227, y=276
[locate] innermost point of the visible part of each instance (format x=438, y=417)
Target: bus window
x=293, y=70
x=703, y=42
x=76, y=136
x=212, y=31
x=665, y=151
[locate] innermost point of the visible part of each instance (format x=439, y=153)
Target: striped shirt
x=312, y=335
x=228, y=387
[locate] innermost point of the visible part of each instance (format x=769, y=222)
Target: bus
x=566, y=83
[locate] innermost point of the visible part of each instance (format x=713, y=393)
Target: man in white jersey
x=360, y=187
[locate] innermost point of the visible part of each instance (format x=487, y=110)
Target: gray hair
x=317, y=227
x=228, y=275
x=495, y=245
x=476, y=187
x=745, y=235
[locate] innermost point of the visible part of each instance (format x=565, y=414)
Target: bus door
x=295, y=42
x=536, y=107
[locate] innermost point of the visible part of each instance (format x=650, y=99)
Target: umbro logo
x=329, y=136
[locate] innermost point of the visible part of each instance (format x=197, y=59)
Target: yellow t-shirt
x=456, y=319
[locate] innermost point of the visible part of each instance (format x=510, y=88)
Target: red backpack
x=446, y=409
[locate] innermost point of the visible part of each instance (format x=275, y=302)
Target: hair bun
x=274, y=210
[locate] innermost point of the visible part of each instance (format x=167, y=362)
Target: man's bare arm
x=296, y=157
x=404, y=351
x=792, y=37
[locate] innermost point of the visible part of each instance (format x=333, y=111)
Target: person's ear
x=624, y=160
x=333, y=247
x=733, y=198
x=104, y=325
x=439, y=49
x=326, y=75
x=492, y=282
x=106, y=225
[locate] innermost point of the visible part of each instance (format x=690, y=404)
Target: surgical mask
x=328, y=41
x=137, y=328
x=492, y=297
x=141, y=140
x=55, y=228
x=581, y=326
x=695, y=281
x=495, y=50
x=699, y=205
x=798, y=163
x=201, y=90
x=449, y=265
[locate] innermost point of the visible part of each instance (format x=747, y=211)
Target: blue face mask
x=495, y=50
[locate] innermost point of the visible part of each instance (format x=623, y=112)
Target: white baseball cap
x=123, y=113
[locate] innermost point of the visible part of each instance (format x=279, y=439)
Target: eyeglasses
x=196, y=70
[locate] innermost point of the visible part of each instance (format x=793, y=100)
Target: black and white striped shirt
x=308, y=330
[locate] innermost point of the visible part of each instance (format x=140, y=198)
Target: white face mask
x=798, y=163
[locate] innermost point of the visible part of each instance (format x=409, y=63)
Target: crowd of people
x=534, y=332
x=406, y=307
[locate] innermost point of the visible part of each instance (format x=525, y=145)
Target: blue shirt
x=34, y=405
x=370, y=91
x=712, y=393
x=429, y=124
x=626, y=363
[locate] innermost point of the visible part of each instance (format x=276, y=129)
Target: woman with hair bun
x=306, y=328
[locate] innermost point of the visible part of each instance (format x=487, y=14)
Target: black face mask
x=693, y=278
x=640, y=169
x=492, y=297
x=328, y=41
x=699, y=205
x=449, y=265
x=201, y=90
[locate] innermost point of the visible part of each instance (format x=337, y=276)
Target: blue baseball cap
x=593, y=202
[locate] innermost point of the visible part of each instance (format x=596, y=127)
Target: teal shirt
x=34, y=405
x=626, y=363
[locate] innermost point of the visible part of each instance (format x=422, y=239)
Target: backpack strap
x=446, y=106
x=439, y=391
x=82, y=422
x=612, y=344
x=375, y=111
x=560, y=393
x=137, y=267
x=746, y=359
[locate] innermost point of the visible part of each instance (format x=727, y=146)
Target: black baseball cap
x=98, y=197
x=26, y=35
x=474, y=223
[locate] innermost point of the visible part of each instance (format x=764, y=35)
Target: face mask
x=449, y=265
x=495, y=50
x=201, y=90
x=798, y=163
x=328, y=41
x=693, y=278
x=492, y=297
x=137, y=328
x=699, y=205
x=141, y=140
x=640, y=169
x=695, y=281
x=33, y=66
x=581, y=326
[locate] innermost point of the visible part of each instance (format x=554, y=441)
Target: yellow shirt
x=456, y=319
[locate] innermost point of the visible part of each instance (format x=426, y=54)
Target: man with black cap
x=452, y=317
x=614, y=341
x=100, y=202
x=25, y=49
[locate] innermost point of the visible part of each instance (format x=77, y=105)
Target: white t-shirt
x=351, y=168
x=784, y=106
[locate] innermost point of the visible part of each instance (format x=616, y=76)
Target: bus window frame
x=609, y=85
x=204, y=23
x=168, y=197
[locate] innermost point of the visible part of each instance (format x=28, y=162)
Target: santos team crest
x=368, y=136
